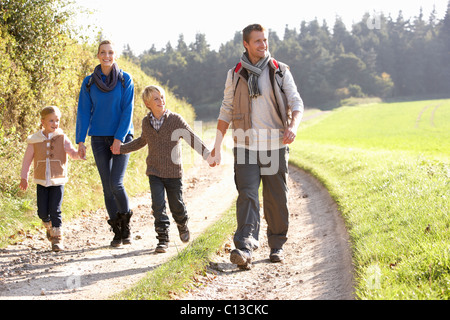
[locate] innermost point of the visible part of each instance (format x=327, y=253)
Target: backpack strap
x=122, y=78
x=236, y=70
x=89, y=83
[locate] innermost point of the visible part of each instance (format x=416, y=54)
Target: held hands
x=82, y=150
x=214, y=158
x=115, y=148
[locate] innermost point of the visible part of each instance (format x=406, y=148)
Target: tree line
x=381, y=57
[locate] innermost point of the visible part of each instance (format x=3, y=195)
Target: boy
x=161, y=132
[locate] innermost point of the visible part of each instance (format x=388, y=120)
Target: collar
x=163, y=115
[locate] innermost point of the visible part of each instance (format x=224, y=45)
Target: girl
x=105, y=111
x=49, y=148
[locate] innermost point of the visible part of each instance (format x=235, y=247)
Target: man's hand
x=214, y=158
x=289, y=136
x=291, y=131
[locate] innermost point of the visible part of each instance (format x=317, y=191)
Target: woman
x=105, y=111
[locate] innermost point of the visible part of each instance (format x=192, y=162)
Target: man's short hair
x=248, y=29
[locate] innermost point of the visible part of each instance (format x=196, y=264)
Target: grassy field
x=387, y=167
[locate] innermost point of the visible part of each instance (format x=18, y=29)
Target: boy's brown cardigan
x=164, y=147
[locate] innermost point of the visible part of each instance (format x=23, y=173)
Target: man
x=262, y=102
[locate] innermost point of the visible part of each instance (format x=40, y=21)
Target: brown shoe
x=48, y=227
x=185, y=235
x=162, y=247
x=242, y=258
x=57, y=239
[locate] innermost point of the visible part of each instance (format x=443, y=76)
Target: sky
x=143, y=23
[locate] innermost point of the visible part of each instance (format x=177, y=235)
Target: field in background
x=387, y=167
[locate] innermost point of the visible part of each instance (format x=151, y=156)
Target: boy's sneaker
x=162, y=247
x=241, y=257
x=185, y=235
x=276, y=255
x=163, y=240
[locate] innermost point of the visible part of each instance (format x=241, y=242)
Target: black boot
x=163, y=237
x=115, y=226
x=125, y=226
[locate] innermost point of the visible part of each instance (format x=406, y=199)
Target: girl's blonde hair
x=49, y=110
x=148, y=91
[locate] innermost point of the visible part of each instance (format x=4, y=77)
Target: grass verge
x=394, y=198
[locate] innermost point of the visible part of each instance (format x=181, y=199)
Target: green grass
x=389, y=126
x=390, y=175
x=176, y=276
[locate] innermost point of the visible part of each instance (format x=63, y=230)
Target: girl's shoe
x=48, y=227
x=57, y=239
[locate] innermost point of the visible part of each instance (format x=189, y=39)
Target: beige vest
x=50, y=161
x=242, y=104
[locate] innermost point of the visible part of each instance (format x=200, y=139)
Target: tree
x=38, y=42
x=128, y=53
x=397, y=58
x=444, y=39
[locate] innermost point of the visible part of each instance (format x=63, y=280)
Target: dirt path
x=317, y=264
x=317, y=261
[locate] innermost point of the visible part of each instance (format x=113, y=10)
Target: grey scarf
x=110, y=81
x=254, y=71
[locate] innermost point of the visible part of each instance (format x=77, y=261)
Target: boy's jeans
x=111, y=168
x=174, y=189
x=49, y=200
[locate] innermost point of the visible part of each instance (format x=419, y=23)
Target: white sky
x=142, y=23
